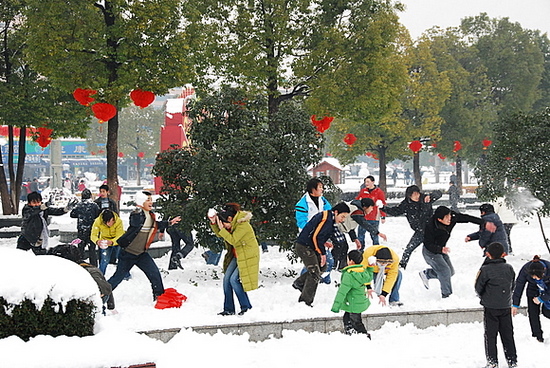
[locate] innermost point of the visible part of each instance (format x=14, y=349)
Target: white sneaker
x=423, y=275
x=396, y=304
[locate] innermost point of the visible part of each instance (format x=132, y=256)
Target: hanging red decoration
x=142, y=98
x=350, y=139
x=368, y=154
x=120, y=154
x=83, y=96
x=103, y=111
x=44, y=136
x=322, y=124
x=141, y=154
x=415, y=146
x=101, y=151
x=486, y=143
x=457, y=146
x=434, y=145
x=93, y=153
x=441, y=156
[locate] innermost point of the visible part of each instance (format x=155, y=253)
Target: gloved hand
x=71, y=204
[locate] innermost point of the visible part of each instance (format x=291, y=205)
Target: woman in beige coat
x=241, y=264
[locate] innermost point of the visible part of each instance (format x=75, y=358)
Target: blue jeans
x=145, y=263
x=442, y=269
x=105, y=256
x=362, y=231
x=211, y=257
x=394, y=295
x=232, y=283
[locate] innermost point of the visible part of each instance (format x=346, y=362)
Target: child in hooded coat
x=351, y=296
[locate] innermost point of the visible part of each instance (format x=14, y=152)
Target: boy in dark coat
x=485, y=236
x=537, y=293
x=351, y=293
x=435, y=250
x=494, y=285
x=86, y=212
x=417, y=207
x=34, y=228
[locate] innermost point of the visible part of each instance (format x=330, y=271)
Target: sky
x=423, y=14
x=116, y=342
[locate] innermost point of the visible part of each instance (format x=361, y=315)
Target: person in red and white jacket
x=373, y=192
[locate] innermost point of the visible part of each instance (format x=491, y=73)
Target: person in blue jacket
x=486, y=237
x=310, y=247
x=536, y=276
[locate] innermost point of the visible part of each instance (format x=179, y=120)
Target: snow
x=117, y=343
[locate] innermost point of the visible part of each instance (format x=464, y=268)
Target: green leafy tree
x=110, y=46
x=28, y=99
x=139, y=132
x=363, y=86
x=239, y=155
x=518, y=161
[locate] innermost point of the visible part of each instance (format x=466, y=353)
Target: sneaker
x=424, y=278
x=226, y=313
x=396, y=304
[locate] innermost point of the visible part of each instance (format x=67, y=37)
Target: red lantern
x=93, y=153
x=83, y=96
x=457, y=146
x=103, y=111
x=44, y=136
x=142, y=98
x=322, y=124
x=415, y=146
x=141, y=154
x=486, y=143
x=434, y=145
x=441, y=156
x=368, y=154
x=120, y=154
x=101, y=151
x=350, y=139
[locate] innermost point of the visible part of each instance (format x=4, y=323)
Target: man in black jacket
x=417, y=207
x=494, y=285
x=86, y=212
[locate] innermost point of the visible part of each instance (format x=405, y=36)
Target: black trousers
x=499, y=321
x=534, y=311
x=354, y=323
x=309, y=280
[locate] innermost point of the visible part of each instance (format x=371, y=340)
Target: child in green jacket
x=351, y=296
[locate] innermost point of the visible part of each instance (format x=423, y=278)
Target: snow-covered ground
x=116, y=342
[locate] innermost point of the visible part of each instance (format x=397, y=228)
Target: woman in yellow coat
x=241, y=264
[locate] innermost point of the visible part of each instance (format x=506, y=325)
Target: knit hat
x=141, y=197
x=86, y=194
x=383, y=253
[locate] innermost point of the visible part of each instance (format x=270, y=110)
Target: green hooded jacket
x=242, y=243
x=351, y=296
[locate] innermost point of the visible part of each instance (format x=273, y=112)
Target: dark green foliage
x=240, y=155
x=25, y=320
x=518, y=159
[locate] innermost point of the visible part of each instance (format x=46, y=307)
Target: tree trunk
x=416, y=170
x=112, y=155
x=382, y=182
x=458, y=164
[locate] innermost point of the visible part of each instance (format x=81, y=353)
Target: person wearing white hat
x=136, y=241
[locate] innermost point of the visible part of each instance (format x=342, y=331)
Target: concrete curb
x=260, y=331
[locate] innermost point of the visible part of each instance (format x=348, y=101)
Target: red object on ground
x=170, y=299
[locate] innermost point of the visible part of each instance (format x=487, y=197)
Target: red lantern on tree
x=141, y=154
x=415, y=146
x=142, y=98
x=103, y=111
x=434, y=145
x=486, y=143
x=441, y=156
x=350, y=139
x=457, y=146
x=44, y=136
x=120, y=154
x=323, y=124
x=83, y=96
